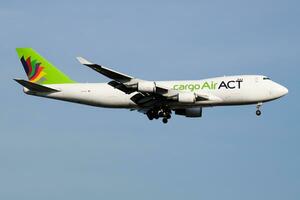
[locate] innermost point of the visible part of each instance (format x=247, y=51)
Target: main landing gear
x=258, y=112
x=161, y=112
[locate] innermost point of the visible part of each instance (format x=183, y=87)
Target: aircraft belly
x=95, y=95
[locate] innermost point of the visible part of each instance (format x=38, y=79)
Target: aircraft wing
x=120, y=81
x=120, y=77
x=129, y=84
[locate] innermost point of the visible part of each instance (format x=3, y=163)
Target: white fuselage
x=230, y=90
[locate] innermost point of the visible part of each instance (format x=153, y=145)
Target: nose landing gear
x=258, y=112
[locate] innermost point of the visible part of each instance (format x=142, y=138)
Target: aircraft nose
x=282, y=91
x=285, y=91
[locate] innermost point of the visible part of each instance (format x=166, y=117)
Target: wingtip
x=84, y=61
x=17, y=79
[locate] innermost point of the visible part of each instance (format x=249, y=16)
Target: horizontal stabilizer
x=35, y=87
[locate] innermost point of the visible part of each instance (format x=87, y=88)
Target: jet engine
x=146, y=86
x=186, y=97
x=190, y=112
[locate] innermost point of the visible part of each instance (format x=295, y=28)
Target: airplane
x=156, y=99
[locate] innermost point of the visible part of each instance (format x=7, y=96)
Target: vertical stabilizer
x=39, y=70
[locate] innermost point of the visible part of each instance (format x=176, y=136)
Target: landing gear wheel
x=258, y=112
x=165, y=120
x=150, y=116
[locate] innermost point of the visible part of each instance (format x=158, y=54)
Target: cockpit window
x=266, y=78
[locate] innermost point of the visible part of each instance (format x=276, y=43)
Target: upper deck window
x=266, y=78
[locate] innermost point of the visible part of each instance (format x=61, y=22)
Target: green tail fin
x=39, y=70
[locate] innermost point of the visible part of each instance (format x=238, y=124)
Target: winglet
x=83, y=61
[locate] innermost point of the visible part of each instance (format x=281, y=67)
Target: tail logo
x=33, y=69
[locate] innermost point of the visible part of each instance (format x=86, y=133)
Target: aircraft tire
x=165, y=120
x=258, y=112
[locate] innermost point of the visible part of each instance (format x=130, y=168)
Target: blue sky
x=58, y=150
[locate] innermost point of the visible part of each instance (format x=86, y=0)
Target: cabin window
x=266, y=78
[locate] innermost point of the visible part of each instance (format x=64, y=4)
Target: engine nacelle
x=190, y=112
x=146, y=86
x=186, y=97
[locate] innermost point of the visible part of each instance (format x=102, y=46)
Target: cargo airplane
x=156, y=99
